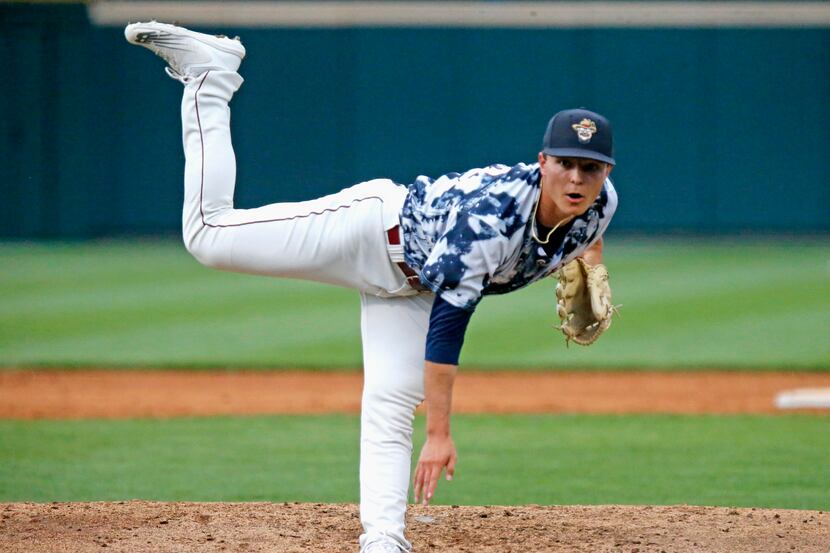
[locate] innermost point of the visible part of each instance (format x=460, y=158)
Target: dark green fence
x=717, y=130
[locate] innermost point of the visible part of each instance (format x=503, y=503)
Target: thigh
x=394, y=337
x=338, y=239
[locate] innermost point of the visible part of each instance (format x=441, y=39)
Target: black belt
x=412, y=278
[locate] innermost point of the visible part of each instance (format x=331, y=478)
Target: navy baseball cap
x=580, y=133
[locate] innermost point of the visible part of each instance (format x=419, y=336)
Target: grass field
x=686, y=305
x=729, y=461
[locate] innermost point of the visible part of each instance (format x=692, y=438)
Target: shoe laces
x=169, y=56
x=173, y=74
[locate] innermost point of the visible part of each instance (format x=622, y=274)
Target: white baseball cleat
x=188, y=53
x=382, y=544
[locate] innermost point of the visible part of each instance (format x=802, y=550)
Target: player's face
x=570, y=185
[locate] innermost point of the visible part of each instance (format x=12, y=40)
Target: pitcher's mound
x=140, y=526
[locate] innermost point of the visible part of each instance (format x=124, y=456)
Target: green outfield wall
x=719, y=130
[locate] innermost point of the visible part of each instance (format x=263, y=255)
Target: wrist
x=438, y=425
x=438, y=433
x=438, y=384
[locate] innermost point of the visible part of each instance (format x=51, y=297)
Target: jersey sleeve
x=464, y=258
x=447, y=326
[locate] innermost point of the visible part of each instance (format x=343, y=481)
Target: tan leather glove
x=583, y=301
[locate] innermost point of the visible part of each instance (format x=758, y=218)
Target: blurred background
x=722, y=119
x=719, y=252
x=722, y=126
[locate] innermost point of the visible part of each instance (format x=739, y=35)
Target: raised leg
x=338, y=239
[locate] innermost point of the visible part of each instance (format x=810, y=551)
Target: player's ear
x=542, y=159
x=610, y=168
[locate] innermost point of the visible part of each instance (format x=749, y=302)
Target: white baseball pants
x=339, y=239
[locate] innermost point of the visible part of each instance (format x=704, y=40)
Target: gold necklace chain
x=550, y=233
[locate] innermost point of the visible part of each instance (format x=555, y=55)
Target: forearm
x=593, y=255
x=438, y=384
x=438, y=451
x=444, y=339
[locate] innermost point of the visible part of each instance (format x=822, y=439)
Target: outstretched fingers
x=432, y=482
x=419, y=482
x=437, y=454
x=426, y=480
x=427, y=476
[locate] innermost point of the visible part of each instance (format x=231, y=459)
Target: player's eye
x=566, y=163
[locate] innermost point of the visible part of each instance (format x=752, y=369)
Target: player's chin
x=575, y=208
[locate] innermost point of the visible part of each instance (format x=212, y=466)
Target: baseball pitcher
x=421, y=256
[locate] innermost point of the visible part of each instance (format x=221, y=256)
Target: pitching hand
x=437, y=453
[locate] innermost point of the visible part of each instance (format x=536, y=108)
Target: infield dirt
x=128, y=394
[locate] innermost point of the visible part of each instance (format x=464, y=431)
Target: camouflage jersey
x=470, y=235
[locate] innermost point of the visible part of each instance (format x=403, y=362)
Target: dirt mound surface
x=139, y=526
x=128, y=394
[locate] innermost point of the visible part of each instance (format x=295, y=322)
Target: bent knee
x=209, y=253
x=396, y=399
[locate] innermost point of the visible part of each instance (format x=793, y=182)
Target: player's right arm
x=447, y=326
x=438, y=451
x=460, y=263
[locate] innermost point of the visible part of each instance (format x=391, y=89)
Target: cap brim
x=576, y=152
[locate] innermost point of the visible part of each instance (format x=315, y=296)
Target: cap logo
x=585, y=130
